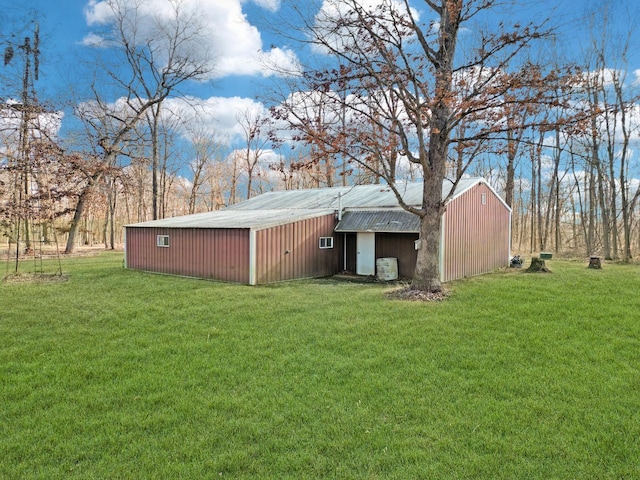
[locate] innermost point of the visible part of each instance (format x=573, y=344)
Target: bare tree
x=603, y=91
x=625, y=108
x=255, y=136
x=405, y=76
x=150, y=64
x=206, y=151
x=161, y=57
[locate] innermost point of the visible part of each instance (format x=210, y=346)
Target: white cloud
x=604, y=76
x=98, y=13
x=281, y=61
x=272, y=5
x=226, y=35
x=218, y=115
x=93, y=40
x=335, y=27
x=43, y=125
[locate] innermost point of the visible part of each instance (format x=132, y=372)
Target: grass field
x=117, y=374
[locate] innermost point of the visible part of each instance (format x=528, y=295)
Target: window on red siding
x=163, y=240
x=326, y=242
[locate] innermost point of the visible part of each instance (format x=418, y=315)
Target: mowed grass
x=120, y=374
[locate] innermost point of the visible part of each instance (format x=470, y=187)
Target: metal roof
x=384, y=221
x=281, y=207
x=358, y=196
x=252, y=219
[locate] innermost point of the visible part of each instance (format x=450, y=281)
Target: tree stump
x=594, y=262
x=538, y=265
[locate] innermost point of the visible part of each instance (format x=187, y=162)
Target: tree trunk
x=155, y=112
x=234, y=181
x=624, y=186
x=427, y=273
x=512, y=151
x=537, y=265
x=82, y=199
x=613, y=222
x=552, y=200
x=574, y=219
x=604, y=208
x=539, y=226
x=559, y=207
x=533, y=211
x=434, y=161
x=595, y=262
x=77, y=216
x=250, y=166
x=592, y=213
x=112, y=217
x=105, y=224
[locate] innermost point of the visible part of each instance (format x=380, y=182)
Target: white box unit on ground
x=387, y=268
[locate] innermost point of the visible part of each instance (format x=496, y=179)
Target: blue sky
x=67, y=24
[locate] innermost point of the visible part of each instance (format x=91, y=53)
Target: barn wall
x=476, y=236
x=292, y=251
x=221, y=254
x=400, y=246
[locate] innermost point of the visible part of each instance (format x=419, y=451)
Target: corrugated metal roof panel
x=281, y=207
x=387, y=221
x=255, y=219
x=359, y=196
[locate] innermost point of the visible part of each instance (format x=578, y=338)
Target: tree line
x=391, y=95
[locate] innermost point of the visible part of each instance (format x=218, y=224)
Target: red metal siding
x=221, y=254
x=476, y=236
x=292, y=251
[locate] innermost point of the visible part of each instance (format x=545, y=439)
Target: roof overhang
x=380, y=221
x=242, y=219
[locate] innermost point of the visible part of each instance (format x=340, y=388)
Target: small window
x=326, y=242
x=163, y=240
x=483, y=198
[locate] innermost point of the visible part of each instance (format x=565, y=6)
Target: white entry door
x=366, y=257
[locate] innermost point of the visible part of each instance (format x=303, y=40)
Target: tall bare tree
x=206, y=151
x=405, y=76
x=603, y=90
x=152, y=56
x=254, y=127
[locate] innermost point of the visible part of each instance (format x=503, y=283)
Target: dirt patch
x=39, y=278
x=50, y=252
x=408, y=293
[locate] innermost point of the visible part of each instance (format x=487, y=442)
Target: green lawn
x=121, y=374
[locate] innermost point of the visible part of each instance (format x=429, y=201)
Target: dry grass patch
x=38, y=278
x=406, y=292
